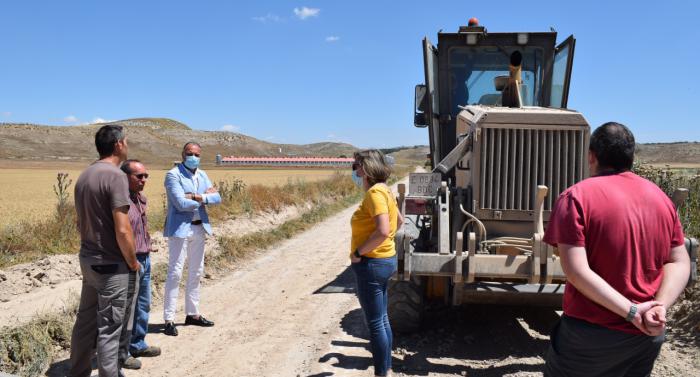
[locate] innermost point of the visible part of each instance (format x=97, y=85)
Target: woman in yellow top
x=372, y=251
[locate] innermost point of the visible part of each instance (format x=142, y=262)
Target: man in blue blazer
x=189, y=191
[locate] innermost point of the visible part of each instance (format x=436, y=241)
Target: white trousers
x=191, y=247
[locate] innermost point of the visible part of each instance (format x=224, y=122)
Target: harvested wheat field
x=33, y=197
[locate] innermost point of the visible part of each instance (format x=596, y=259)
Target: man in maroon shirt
x=622, y=248
x=138, y=176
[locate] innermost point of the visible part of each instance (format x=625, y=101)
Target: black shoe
x=170, y=329
x=201, y=321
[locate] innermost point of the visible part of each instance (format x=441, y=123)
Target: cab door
x=561, y=73
x=432, y=112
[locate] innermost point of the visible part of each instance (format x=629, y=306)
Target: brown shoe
x=132, y=363
x=150, y=351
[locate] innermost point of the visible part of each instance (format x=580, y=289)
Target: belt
x=197, y=222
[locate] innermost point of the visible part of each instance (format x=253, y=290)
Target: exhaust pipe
x=510, y=96
x=511, y=93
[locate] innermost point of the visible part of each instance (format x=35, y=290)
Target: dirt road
x=291, y=311
x=271, y=317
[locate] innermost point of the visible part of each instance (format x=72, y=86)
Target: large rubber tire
x=406, y=304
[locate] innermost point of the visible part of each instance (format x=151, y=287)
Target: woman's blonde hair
x=374, y=165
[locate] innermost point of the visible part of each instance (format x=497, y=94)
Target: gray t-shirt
x=101, y=188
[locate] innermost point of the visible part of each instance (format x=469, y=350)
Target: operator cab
x=465, y=69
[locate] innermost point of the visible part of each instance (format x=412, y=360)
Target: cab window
x=473, y=69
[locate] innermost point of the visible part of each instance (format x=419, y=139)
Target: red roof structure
x=287, y=161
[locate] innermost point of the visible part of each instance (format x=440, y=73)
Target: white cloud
x=101, y=120
x=270, y=17
x=332, y=38
x=304, y=12
x=70, y=119
x=230, y=128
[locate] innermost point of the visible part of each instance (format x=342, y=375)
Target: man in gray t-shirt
x=101, y=189
x=107, y=261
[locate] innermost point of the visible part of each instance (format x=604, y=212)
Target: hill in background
x=682, y=153
x=159, y=142
x=156, y=140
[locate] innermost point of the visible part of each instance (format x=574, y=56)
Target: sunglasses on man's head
x=141, y=176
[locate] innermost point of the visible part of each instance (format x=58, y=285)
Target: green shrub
x=669, y=180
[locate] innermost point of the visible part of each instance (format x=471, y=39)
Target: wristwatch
x=632, y=313
x=356, y=253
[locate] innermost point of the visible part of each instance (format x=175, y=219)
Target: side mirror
x=419, y=105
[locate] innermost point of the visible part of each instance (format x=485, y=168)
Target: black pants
x=580, y=348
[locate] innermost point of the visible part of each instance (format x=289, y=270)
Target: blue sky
x=310, y=71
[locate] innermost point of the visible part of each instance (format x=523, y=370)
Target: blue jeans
x=143, y=306
x=372, y=276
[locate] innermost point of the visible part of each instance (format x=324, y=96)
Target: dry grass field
x=28, y=193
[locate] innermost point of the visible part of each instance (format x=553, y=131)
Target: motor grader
x=503, y=146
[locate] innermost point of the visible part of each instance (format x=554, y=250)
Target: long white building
x=330, y=162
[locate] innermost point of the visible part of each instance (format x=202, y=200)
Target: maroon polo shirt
x=139, y=223
x=628, y=227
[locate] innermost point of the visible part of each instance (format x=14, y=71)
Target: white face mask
x=357, y=179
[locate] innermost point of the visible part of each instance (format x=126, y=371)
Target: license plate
x=423, y=184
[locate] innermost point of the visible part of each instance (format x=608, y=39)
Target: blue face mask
x=192, y=162
x=357, y=179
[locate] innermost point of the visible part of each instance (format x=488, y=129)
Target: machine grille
x=515, y=161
